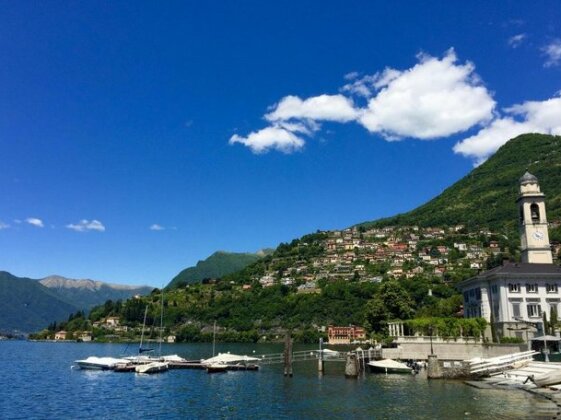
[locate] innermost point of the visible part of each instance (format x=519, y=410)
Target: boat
x=100, y=363
x=153, y=367
x=389, y=366
x=216, y=367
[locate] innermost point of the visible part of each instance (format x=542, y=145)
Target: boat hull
x=154, y=367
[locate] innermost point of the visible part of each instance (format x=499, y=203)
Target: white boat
x=216, y=367
x=228, y=358
x=328, y=353
x=389, y=366
x=99, y=363
x=153, y=367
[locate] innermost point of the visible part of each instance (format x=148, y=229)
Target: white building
x=514, y=296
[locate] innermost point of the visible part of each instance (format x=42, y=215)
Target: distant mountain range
x=217, y=265
x=28, y=305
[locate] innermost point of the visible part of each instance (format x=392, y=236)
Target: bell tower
x=534, y=236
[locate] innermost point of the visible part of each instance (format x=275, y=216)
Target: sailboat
x=215, y=366
x=149, y=364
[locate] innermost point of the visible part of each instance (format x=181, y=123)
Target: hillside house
x=60, y=335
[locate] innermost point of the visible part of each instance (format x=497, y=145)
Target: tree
x=391, y=302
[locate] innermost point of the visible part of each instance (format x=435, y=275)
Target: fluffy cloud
x=367, y=85
x=275, y=137
x=516, y=40
x=35, y=222
x=529, y=117
x=552, y=53
x=3, y=225
x=319, y=108
x=157, y=227
x=86, y=225
x=436, y=98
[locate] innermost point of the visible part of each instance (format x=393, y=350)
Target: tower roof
x=528, y=178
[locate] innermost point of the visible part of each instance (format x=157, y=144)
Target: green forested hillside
x=26, y=305
x=217, y=265
x=485, y=197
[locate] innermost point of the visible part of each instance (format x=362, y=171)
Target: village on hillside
x=371, y=254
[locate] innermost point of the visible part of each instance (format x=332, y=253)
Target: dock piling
x=288, y=355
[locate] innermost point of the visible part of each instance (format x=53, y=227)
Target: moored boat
x=216, y=368
x=389, y=366
x=153, y=367
x=99, y=363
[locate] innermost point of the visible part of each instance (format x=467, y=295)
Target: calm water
x=37, y=382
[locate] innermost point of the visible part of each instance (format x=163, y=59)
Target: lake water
x=37, y=381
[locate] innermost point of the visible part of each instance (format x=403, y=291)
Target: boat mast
x=142, y=334
x=161, y=322
x=214, y=338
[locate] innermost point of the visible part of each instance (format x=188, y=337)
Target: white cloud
x=156, y=226
x=367, y=85
x=435, y=98
x=319, y=108
x=516, y=40
x=529, y=117
x=553, y=53
x=35, y=222
x=86, y=225
x=274, y=137
x=3, y=225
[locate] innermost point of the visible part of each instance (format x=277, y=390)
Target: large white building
x=514, y=296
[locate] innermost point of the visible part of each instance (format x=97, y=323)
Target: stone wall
x=452, y=350
x=447, y=369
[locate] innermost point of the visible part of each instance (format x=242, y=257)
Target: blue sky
x=137, y=138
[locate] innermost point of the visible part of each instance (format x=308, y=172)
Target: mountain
x=87, y=293
x=26, y=305
x=486, y=196
x=217, y=265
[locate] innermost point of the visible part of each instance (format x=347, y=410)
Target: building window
x=478, y=293
x=466, y=297
x=514, y=287
x=534, y=310
x=531, y=288
x=494, y=289
x=516, y=310
x=551, y=288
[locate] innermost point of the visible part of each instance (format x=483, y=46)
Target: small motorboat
x=153, y=367
x=216, y=367
x=389, y=366
x=99, y=363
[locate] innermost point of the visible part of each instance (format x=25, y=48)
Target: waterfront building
x=61, y=335
x=345, y=335
x=515, y=296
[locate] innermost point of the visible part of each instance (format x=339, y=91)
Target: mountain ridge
x=218, y=264
x=30, y=304
x=485, y=197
